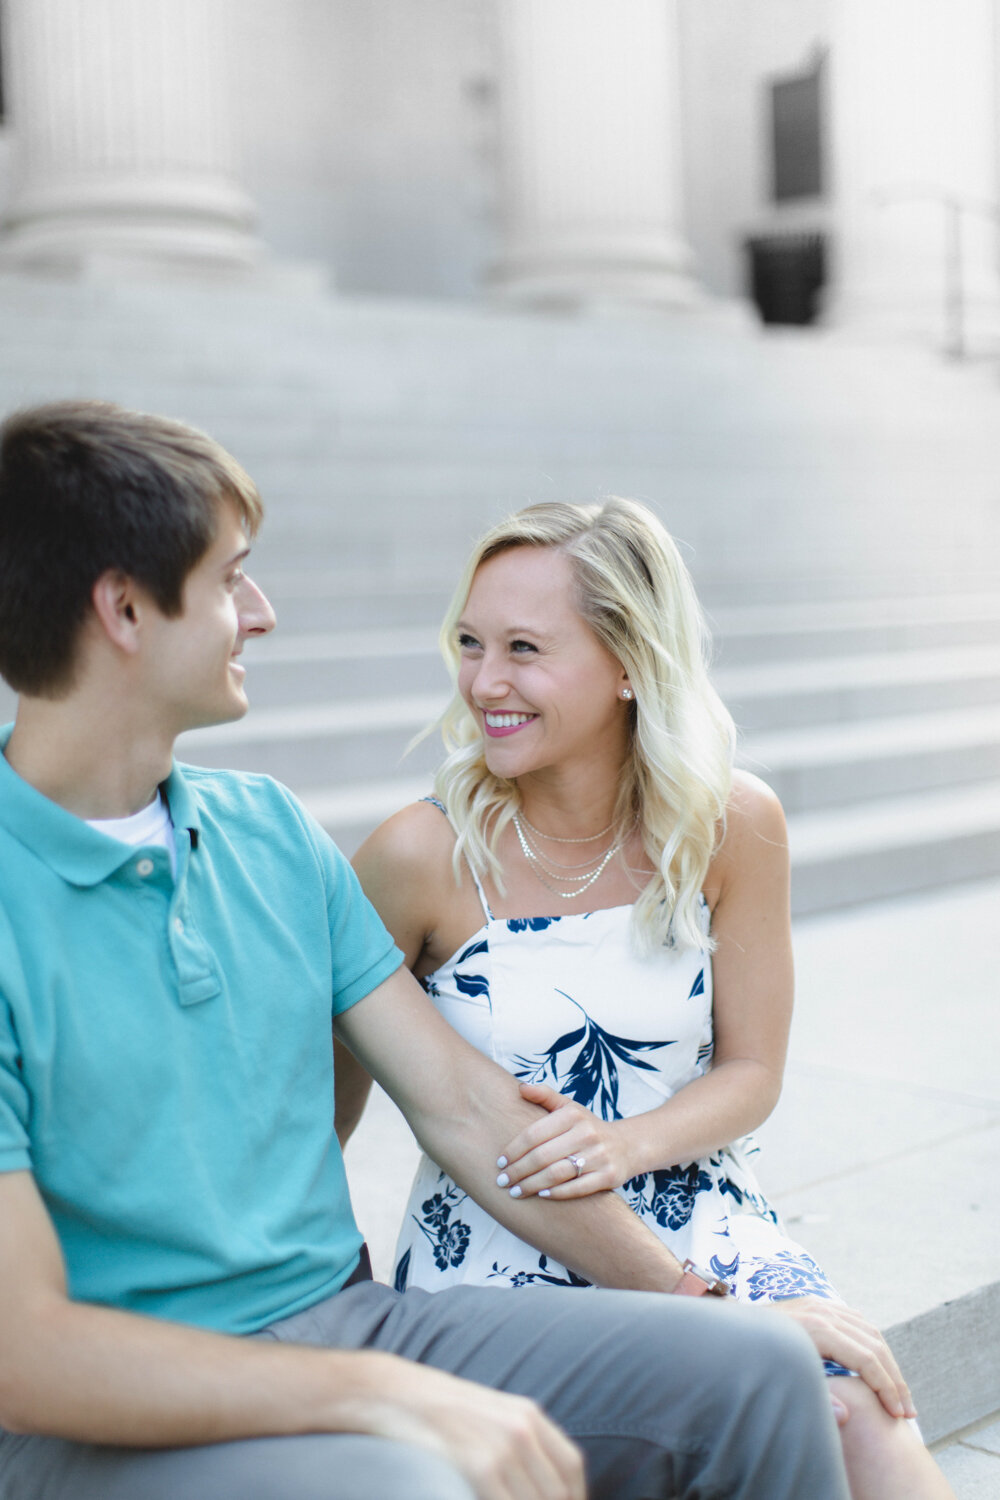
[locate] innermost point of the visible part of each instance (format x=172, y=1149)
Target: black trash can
x=786, y=274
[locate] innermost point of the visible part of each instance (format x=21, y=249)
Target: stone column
x=120, y=135
x=915, y=156
x=590, y=152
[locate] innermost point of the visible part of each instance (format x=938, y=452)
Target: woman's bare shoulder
x=753, y=837
x=753, y=810
x=405, y=868
x=416, y=842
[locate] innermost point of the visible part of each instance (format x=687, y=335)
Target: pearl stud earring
x=627, y=694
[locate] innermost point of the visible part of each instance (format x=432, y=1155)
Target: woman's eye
x=521, y=648
x=467, y=642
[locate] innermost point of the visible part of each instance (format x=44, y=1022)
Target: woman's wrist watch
x=695, y=1282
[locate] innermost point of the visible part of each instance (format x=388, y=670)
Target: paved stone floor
x=972, y=1461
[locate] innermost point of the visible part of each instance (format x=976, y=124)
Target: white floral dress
x=567, y=1002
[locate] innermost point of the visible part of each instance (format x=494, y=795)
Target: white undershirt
x=151, y=825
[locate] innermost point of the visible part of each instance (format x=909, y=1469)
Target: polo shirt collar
x=181, y=802
x=66, y=843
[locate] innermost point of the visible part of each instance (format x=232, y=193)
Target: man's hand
x=505, y=1446
x=841, y=1334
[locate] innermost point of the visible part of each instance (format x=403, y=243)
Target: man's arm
x=462, y=1108
x=351, y=1087
x=97, y=1375
x=459, y=1105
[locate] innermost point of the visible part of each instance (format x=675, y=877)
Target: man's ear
x=118, y=609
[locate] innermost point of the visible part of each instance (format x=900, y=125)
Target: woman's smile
x=498, y=724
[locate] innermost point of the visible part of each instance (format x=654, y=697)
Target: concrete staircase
x=839, y=506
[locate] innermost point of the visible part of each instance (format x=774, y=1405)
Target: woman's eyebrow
x=509, y=630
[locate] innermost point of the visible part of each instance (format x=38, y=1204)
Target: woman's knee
x=869, y=1430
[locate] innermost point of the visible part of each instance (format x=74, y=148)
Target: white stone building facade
x=553, y=150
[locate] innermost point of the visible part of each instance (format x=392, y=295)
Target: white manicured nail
x=515, y=1192
x=501, y=1161
x=502, y=1180
x=545, y=1192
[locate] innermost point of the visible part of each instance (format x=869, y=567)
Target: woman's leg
x=884, y=1456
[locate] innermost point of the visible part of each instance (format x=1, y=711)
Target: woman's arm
x=753, y=984
x=406, y=872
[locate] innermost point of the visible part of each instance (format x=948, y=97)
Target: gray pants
x=667, y=1396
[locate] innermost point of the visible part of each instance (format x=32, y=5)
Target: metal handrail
x=954, y=272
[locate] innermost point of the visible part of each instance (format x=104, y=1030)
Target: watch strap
x=695, y=1282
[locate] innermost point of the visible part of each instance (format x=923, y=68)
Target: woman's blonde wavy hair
x=636, y=595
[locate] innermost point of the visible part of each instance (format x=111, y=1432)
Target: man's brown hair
x=86, y=486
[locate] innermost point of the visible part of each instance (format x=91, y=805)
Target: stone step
x=847, y=855
x=331, y=743
x=827, y=765
x=762, y=453
x=950, y=1358
x=823, y=690
x=344, y=666
x=837, y=627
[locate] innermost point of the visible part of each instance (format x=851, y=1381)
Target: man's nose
x=256, y=615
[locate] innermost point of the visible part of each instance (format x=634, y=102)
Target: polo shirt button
x=144, y=867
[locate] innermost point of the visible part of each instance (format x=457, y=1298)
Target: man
x=182, y=1299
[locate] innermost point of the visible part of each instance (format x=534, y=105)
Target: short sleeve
x=363, y=953
x=15, y=1155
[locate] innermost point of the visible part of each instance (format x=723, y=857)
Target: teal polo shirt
x=166, y=1064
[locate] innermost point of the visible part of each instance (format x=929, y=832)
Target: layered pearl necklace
x=547, y=870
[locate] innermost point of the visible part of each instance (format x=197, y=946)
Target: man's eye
x=235, y=578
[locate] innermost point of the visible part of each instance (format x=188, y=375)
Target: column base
x=69, y=225
x=643, y=269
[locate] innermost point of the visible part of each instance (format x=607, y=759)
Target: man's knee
x=336, y=1466
x=351, y=1466
x=727, y=1357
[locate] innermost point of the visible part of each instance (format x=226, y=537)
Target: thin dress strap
x=478, y=884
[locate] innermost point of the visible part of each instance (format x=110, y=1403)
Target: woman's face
x=543, y=689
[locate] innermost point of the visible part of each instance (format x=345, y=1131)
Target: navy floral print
x=788, y=1275
x=448, y=1237
x=591, y=1077
x=541, y=1277
x=668, y=1196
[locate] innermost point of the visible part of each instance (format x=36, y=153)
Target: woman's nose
x=490, y=682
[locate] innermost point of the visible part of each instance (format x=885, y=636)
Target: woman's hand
x=840, y=1333
x=539, y=1159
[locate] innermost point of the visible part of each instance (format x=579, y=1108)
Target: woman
x=597, y=899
